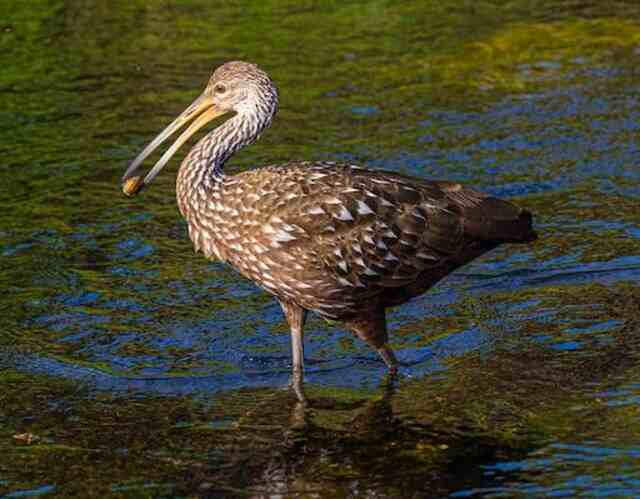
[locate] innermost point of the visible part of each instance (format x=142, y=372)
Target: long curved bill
x=201, y=111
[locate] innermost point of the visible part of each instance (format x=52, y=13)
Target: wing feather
x=352, y=233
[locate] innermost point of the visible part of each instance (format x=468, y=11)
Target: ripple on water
x=520, y=375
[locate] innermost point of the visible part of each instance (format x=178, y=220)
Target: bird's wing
x=344, y=229
x=400, y=228
x=361, y=228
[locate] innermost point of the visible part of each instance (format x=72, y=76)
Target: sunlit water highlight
x=155, y=372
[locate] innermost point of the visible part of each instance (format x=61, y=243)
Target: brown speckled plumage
x=337, y=239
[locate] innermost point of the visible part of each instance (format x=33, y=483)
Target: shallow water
x=130, y=367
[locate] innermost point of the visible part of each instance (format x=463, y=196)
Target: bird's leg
x=297, y=385
x=389, y=358
x=373, y=330
x=296, y=317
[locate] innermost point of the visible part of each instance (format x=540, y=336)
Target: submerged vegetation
x=130, y=367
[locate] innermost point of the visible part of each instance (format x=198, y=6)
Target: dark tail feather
x=500, y=221
x=521, y=230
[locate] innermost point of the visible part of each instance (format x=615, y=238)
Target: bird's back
x=338, y=238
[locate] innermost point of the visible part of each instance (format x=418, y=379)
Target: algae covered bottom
x=132, y=367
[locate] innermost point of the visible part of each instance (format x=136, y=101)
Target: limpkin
x=336, y=239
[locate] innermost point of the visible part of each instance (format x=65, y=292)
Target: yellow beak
x=202, y=110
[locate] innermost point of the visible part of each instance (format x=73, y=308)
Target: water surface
x=131, y=367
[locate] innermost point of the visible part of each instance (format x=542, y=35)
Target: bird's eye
x=220, y=89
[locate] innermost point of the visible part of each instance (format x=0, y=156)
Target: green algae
x=85, y=84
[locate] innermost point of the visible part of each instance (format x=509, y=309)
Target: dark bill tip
x=132, y=185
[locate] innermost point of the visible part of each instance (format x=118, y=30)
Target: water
x=130, y=367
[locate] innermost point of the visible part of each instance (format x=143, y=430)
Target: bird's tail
x=519, y=230
x=500, y=221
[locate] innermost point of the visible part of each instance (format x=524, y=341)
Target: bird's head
x=238, y=87
x=242, y=87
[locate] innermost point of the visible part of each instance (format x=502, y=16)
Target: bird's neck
x=201, y=171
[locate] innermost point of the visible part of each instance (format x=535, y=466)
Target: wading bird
x=336, y=239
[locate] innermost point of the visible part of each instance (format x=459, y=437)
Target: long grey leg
x=372, y=328
x=296, y=317
x=389, y=358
